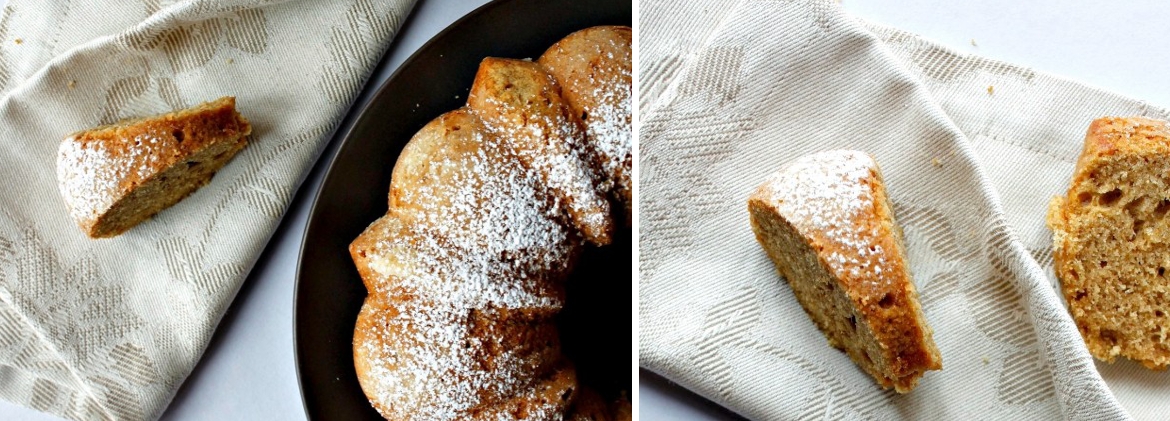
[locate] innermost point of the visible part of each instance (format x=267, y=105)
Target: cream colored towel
x=732, y=90
x=108, y=329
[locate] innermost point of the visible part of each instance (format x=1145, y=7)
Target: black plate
x=596, y=323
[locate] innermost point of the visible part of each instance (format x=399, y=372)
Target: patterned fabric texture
x=109, y=329
x=733, y=89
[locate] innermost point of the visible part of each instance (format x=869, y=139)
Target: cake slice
x=1111, y=240
x=113, y=177
x=826, y=223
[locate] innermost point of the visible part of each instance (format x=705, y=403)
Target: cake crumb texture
x=1111, y=240
x=114, y=177
x=827, y=224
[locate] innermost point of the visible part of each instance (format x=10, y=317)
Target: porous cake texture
x=1111, y=240
x=827, y=224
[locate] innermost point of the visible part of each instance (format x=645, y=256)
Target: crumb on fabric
x=72, y=84
x=935, y=162
x=990, y=90
x=18, y=41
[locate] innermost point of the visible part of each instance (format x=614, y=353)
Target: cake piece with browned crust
x=1111, y=240
x=114, y=177
x=826, y=223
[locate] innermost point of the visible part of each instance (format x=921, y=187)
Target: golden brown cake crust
x=826, y=223
x=465, y=275
x=106, y=172
x=429, y=361
x=522, y=105
x=594, y=69
x=1111, y=236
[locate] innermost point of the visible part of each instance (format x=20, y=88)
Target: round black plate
x=596, y=323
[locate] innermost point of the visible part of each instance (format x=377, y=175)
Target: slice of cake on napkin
x=1112, y=240
x=114, y=177
x=826, y=223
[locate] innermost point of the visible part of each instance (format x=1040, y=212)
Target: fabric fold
x=109, y=329
x=1027, y=134
x=779, y=79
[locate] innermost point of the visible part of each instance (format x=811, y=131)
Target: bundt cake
x=490, y=206
x=464, y=280
x=114, y=177
x=593, y=67
x=826, y=223
x=1112, y=240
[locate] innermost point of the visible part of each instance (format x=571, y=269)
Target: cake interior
x=826, y=302
x=842, y=254
x=1114, y=273
x=166, y=188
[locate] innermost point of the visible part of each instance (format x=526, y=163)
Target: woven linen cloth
x=109, y=329
x=732, y=90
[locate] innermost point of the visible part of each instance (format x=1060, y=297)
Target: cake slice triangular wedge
x=827, y=224
x=114, y=177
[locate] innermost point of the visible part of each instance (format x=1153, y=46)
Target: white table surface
x=248, y=371
x=1119, y=46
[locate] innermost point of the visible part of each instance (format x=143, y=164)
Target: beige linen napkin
x=733, y=90
x=108, y=329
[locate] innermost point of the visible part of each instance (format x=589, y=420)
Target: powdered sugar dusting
x=608, y=127
x=476, y=241
x=480, y=238
x=488, y=239
x=824, y=196
x=608, y=123
x=92, y=172
x=562, y=163
x=541, y=130
x=433, y=360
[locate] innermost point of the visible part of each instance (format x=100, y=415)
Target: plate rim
x=347, y=140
